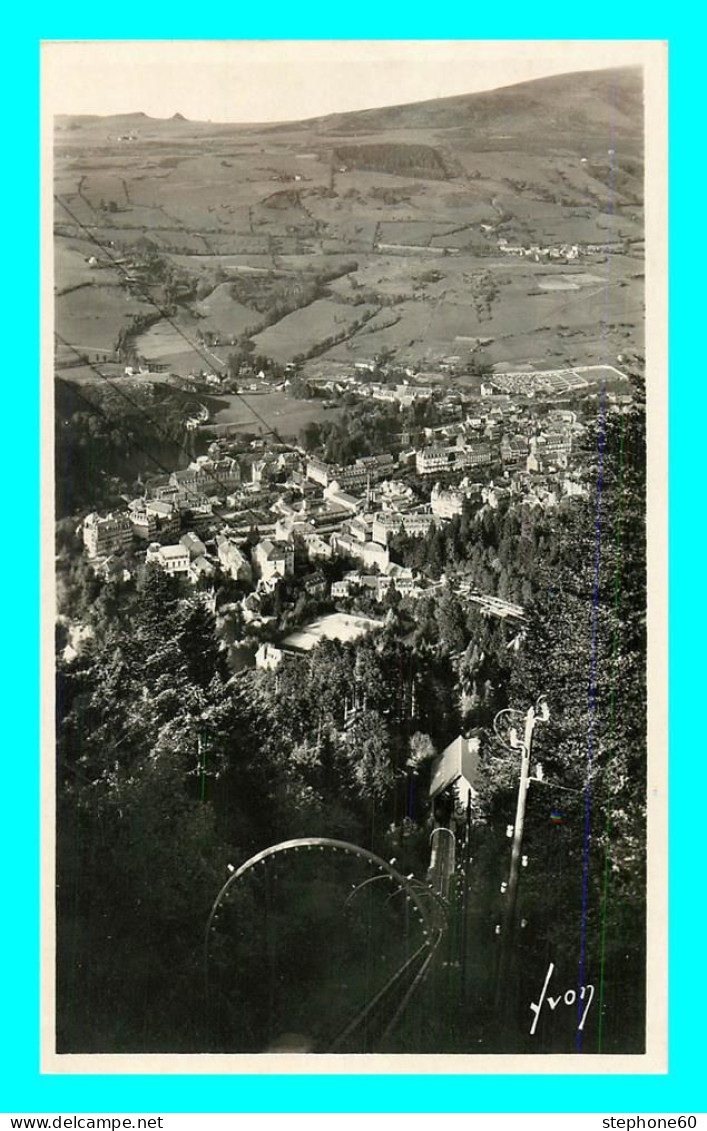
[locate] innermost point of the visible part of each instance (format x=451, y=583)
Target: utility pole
x=533, y=715
x=201, y=754
x=465, y=897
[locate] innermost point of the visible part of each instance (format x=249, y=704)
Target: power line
x=121, y=392
x=168, y=318
x=136, y=443
x=114, y=424
x=140, y=408
x=185, y=337
x=164, y=314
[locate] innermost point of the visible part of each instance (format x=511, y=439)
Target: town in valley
x=339, y=406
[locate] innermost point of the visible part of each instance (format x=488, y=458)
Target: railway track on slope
x=374, y=1024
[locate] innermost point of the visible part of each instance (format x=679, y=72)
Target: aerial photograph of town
x=349, y=416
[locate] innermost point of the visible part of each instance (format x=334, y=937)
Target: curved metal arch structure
x=409, y=976
x=441, y=829
x=424, y=889
x=324, y=843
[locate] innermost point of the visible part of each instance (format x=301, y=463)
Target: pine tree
x=585, y=649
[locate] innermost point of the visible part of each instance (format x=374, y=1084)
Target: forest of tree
x=277, y=294
x=169, y=766
x=585, y=649
x=499, y=551
x=363, y=428
x=109, y=435
x=140, y=853
x=403, y=160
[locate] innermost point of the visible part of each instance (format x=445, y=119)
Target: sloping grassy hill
x=582, y=101
x=418, y=200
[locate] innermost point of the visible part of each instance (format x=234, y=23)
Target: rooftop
x=459, y=760
x=173, y=552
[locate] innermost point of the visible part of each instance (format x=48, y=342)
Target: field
x=412, y=203
x=336, y=626
x=530, y=313
x=71, y=267
x=305, y=329
x=287, y=415
x=91, y=316
x=558, y=283
x=168, y=343
x=223, y=314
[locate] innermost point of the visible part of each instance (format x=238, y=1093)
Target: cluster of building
x=529, y=382
x=352, y=512
x=184, y=558
x=436, y=458
x=378, y=585
x=536, y=252
x=189, y=556
x=404, y=395
x=562, y=251
x=158, y=515
x=355, y=476
x=248, y=514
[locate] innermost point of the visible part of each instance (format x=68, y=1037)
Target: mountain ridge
x=572, y=100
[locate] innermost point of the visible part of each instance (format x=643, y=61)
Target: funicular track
x=374, y=1023
x=377, y=1020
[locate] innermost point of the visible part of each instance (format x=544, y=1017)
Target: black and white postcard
x=354, y=390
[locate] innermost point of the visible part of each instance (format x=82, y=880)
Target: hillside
x=408, y=212
x=584, y=100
